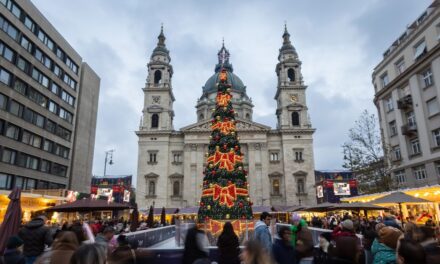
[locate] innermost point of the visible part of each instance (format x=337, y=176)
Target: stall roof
x=398, y=197
x=86, y=205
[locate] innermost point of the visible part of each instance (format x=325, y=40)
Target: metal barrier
x=149, y=237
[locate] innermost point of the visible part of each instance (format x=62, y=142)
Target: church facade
x=279, y=161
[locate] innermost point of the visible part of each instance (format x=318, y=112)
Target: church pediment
x=151, y=176
x=242, y=125
x=155, y=109
x=300, y=173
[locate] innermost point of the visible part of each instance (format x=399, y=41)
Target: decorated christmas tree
x=225, y=193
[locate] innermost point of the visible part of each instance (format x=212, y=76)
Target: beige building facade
x=48, y=104
x=407, y=94
x=171, y=162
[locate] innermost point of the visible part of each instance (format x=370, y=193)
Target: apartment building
x=407, y=93
x=48, y=104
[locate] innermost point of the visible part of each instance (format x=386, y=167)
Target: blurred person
x=390, y=220
x=124, y=253
x=282, y=249
x=430, y=244
x=228, y=246
x=262, y=233
x=345, y=251
x=77, y=228
x=410, y=252
x=345, y=228
x=104, y=238
x=89, y=254
x=384, y=247
x=321, y=255
x=195, y=246
x=62, y=250
x=12, y=254
x=254, y=253
x=367, y=241
x=35, y=236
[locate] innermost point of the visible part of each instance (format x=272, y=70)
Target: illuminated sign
x=341, y=188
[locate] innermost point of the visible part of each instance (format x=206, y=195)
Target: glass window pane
x=5, y=77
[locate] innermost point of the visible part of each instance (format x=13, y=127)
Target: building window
x=3, y=101
x=201, y=117
x=157, y=77
x=393, y=128
x=9, y=156
x=248, y=116
x=176, y=188
x=436, y=137
x=276, y=187
x=31, y=139
x=419, y=50
x=396, y=153
x=45, y=166
x=5, y=181
x=400, y=66
x=437, y=167
x=415, y=146
x=432, y=106
x=26, y=44
x=12, y=131
x=53, y=107
x=295, y=118
x=389, y=104
x=5, y=77
x=20, y=86
x=23, y=64
x=177, y=157
x=151, y=188
x=300, y=186
x=384, y=79
x=6, y=52
x=427, y=78
x=298, y=155
x=16, y=108
x=419, y=172
x=153, y=157
x=155, y=121
x=400, y=176
x=291, y=74
x=411, y=119
x=274, y=156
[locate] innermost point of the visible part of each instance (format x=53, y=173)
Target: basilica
x=279, y=161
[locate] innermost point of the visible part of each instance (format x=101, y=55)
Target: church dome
x=223, y=62
x=234, y=80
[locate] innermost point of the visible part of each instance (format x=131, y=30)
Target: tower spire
x=161, y=37
x=161, y=48
x=287, y=45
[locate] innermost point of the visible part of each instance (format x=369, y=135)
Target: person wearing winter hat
x=346, y=228
x=384, y=247
x=12, y=254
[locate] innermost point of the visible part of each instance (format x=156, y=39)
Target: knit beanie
x=296, y=217
x=14, y=242
x=389, y=236
x=348, y=224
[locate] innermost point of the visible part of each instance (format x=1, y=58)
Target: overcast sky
x=339, y=42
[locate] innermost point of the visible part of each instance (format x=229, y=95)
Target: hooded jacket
x=63, y=248
x=262, y=235
x=35, y=236
x=382, y=254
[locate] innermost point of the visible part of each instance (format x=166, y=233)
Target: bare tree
x=366, y=155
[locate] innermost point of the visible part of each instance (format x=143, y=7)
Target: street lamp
x=108, y=155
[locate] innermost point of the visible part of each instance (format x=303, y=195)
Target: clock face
x=294, y=98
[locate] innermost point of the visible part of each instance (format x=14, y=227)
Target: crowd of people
x=376, y=241
x=382, y=241
x=75, y=243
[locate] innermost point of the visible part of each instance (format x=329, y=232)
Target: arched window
x=300, y=186
x=276, y=187
x=152, y=188
x=295, y=118
x=248, y=116
x=291, y=74
x=201, y=117
x=176, y=188
x=155, y=121
x=157, y=76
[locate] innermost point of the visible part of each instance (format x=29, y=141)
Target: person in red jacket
x=345, y=229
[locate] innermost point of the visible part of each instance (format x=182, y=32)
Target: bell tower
x=158, y=111
x=290, y=96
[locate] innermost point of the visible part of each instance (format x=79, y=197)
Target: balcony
x=409, y=129
x=405, y=102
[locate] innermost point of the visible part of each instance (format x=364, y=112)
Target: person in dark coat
x=35, y=236
x=194, y=246
x=12, y=255
x=228, y=246
x=282, y=250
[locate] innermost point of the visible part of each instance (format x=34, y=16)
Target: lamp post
x=108, y=155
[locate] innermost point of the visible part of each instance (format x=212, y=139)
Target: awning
x=397, y=198
x=87, y=205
